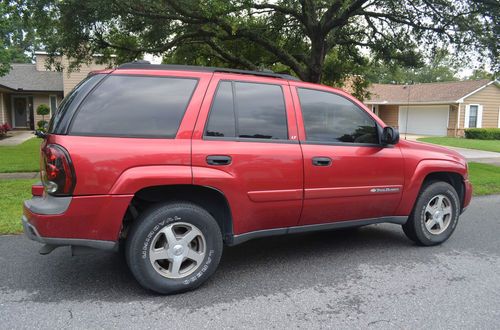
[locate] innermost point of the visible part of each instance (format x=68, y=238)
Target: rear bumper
x=32, y=233
x=91, y=221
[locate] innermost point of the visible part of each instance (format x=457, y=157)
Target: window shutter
x=466, y=120
x=479, y=116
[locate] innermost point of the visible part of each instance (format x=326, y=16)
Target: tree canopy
x=16, y=35
x=316, y=40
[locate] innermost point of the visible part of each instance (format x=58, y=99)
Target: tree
x=439, y=68
x=16, y=35
x=298, y=35
x=481, y=73
x=42, y=110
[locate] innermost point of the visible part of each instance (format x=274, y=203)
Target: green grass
x=487, y=145
x=12, y=194
x=485, y=178
x=21, y=158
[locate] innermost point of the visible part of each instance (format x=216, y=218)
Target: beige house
x=440, y=109
x=27, y=86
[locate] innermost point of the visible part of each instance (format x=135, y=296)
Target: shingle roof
x=27, y=78
x=424, y=93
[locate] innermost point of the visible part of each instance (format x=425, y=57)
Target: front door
x=245, y=145
x=20, y=111
x=348, y=175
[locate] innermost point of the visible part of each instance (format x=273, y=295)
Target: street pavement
x=371, y=278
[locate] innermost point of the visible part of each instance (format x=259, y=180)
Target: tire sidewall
x=148, y=225
x=427, y=195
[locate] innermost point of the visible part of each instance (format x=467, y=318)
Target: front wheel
x=174, y=247
x=434, y=216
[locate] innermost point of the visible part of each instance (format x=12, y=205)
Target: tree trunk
x=317, y=60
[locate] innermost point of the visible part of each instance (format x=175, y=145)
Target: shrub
x=41, y=125
x=482, y=133
x=4, y=128
x=43, y=110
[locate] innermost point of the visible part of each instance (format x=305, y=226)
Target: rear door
x=245, y=145
x=347, y=174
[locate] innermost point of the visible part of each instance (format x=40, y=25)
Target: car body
x=253, y=184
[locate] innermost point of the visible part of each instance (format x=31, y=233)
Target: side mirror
x=390, y=135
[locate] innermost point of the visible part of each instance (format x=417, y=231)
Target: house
x=27, y=86
x=442, y=109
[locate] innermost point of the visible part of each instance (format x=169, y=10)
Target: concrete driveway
x=471, y=155
x=370, y=278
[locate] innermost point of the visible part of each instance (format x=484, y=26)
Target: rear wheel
x=435, y=214
x=174, y=247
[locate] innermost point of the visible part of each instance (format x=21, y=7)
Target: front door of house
x=20, y=109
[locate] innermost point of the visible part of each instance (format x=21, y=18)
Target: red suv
x=173, y=162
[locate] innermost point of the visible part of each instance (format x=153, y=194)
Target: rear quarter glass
x=62, y=118
x=134, y=106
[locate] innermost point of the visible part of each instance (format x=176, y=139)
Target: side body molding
x=414, y=178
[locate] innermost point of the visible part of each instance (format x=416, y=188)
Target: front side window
x=473, y=116
x=329, y=117
x=135, y=106
x=248, y=110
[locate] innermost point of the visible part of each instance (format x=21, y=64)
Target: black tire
x=415, y=228
x=148, y=225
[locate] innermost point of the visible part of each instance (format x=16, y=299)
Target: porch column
x=2, y=110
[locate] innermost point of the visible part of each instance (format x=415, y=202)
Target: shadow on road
x=259, y=267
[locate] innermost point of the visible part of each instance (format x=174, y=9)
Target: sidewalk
x=17, y=137
x=19, y=175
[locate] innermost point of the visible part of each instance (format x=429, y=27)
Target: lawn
x=21, y=158
x=12, y=194
x=485, y=178
x=487, y=145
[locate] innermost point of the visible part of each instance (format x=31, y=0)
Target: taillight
x=58, y=174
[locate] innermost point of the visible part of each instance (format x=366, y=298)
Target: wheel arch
x=439, y=170
x=209, y=198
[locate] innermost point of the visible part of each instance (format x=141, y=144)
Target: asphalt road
x=370, y=278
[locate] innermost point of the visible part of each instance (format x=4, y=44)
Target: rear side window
x=248, y=110
x=135, y=106
x=330, y=117
x=61, y=118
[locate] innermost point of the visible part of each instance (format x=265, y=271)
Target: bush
x=482, y=133
x=41, y=125
x=4, y=128
x=42, y=110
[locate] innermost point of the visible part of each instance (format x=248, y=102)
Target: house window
x=473, y=110
x=53, y=104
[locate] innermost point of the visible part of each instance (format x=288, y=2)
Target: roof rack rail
x=145, y=65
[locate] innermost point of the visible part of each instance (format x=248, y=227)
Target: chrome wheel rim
x=177, y=250
x=438, y=214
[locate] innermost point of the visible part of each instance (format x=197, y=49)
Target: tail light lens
x=58, y=174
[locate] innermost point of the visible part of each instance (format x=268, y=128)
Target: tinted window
x=332, y=118
x=221, y=121
x=60, y=120
x=259, y=109
x=135, y=107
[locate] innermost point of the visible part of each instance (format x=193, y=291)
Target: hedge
x=482, y=133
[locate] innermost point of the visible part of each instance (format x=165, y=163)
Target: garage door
x=424, y=120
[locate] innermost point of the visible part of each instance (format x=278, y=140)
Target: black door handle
x=321, y=161
x=218, y=160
